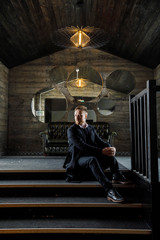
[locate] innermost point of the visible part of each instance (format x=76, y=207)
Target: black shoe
x=120, y=178
x=114, y=196
x=73, y=180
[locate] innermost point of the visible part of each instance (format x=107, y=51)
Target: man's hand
x=109, y=151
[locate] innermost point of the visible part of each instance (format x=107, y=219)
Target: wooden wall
x=157, y=74
x=3, y=108
x=27, y=79
x=157, y=78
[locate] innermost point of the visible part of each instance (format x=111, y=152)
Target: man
x=88, y=151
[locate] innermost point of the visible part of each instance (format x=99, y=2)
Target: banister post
x=153, y=155
x=131, y=119
x=152, y=131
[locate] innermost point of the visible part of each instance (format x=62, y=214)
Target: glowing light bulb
x=79, y=83
x=80, y=38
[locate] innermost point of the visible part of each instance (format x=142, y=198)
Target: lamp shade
x=85, y=82
x=80, y=39
x=75, y=37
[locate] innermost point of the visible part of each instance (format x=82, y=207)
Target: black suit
x=85, y=151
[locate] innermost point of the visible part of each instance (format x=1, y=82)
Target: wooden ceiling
x=27, y=27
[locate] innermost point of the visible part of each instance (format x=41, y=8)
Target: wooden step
x=60, y=170
x=33, y=171
x=35, y=164
x=70, y=226
x=69, y=208
x=55, y=184
x=63, y=201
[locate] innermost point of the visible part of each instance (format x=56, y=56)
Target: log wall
x=3, y=108
x=27, y=79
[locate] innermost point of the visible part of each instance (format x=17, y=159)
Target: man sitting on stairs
x=88, y=151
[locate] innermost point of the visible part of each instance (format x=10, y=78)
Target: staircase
x=39, y=204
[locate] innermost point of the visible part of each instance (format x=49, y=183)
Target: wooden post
x=152, y=131
x=131, y=118
x=153, y=155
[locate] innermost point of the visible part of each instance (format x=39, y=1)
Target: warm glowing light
x=80, y=39
x=80, y=83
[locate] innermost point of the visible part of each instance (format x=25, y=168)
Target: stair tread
x=20, y=214
x=36, y=164
x=56, y=183
x=74, y=225
x=66, y=202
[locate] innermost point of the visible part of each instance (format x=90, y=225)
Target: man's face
x=80, y=117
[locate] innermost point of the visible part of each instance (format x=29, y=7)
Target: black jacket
x=80, y=145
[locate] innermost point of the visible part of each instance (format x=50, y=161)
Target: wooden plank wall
x=27, y=79
x=157, y=78
x=3, y=108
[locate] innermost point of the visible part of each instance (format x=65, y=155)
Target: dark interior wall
x=157, y=78
x=27, y=79
x=3, y=108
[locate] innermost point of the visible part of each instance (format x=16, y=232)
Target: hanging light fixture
x=84, y=83
x=80, y=82
x=79, y=37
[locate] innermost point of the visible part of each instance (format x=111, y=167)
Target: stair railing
x=143, y=125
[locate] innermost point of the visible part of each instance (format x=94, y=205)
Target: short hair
x=82, y=108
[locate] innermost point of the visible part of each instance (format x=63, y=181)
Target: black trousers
x=97, y=166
